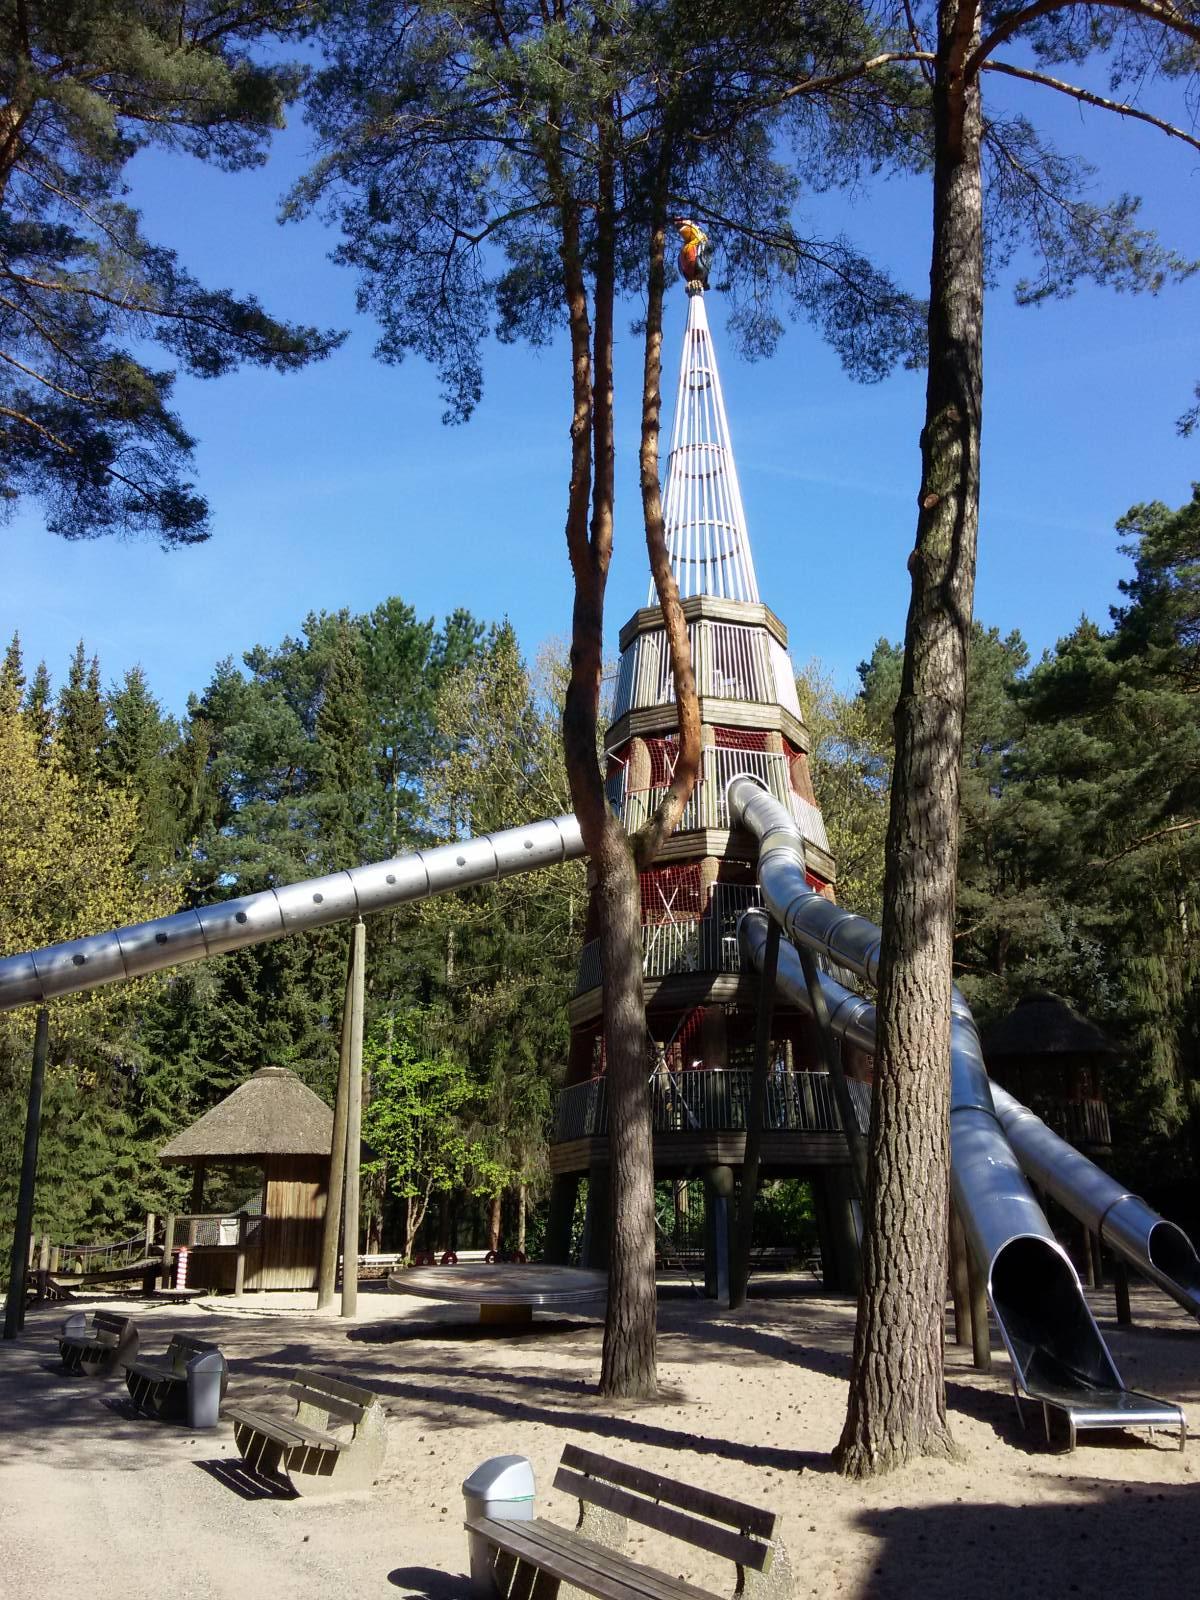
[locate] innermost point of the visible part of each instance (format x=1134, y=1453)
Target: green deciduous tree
x=422, y=1102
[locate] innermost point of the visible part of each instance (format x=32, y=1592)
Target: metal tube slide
x=1044, y=1319
x=61, y=969
x=1158, y=1249
x=1057, y=1351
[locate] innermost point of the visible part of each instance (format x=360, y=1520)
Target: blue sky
x=339, y=486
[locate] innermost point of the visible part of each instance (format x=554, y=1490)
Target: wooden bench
x=532, y=1558
x=97, y=1343
x=303, y=1449
x=159, y=1387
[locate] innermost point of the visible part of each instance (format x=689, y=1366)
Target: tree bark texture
x=665, y=819
x=897, y=1407
x=628, y=1367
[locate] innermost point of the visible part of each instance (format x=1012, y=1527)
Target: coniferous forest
x=365, y=736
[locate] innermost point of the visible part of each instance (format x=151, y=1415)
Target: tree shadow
x=1117, y=1540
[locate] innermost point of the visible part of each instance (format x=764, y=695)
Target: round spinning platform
x=505, y=1293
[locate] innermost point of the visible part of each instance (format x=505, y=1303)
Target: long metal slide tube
x=1035, y=1293
x=1158, y=1249
x=145, y=947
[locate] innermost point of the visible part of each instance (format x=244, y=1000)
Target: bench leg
x=776, y=1583
x=491, y=1569
x=259, y=1453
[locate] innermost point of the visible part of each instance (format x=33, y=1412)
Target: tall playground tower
x=701, y=1007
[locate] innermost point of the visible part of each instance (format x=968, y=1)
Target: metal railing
x=706, y=807
x=731, y=662
x=702, y=1100
x=706, y=944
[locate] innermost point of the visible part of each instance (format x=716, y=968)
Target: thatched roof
x=271, y=1114
x=1042, y=1025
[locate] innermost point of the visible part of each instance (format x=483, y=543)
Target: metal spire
x=706, y=525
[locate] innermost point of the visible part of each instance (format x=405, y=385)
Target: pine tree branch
x=1088, y=98
x=1149, y=838
x=39, y=377
x=1165, y=14
x=28, y=422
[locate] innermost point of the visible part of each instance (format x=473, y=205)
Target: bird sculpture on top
x=695, y=259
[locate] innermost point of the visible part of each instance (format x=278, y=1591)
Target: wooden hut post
x=354, y=1121
x=960, y=1287
x=168, y=1246
x=327, y=1279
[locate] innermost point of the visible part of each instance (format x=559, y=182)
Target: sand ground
x=96, y=1501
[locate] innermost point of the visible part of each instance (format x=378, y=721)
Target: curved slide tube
x=1058, y=1354
x=146, y=947
x=1158, y=1249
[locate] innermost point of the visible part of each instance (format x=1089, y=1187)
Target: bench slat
x=286, y=1433
x=609, y=1562
x=156, y=1371
x=747, y=1552
x=344, y=1391
x=582, y=1563
x=705, y=1502
x=345, y=1410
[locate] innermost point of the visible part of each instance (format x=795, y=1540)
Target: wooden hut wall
x=290, y=1233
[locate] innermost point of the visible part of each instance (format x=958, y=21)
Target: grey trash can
x=206, y=1379
x=501, y=1487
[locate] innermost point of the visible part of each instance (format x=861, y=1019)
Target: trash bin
x=501, y=1487
x=207, y=1376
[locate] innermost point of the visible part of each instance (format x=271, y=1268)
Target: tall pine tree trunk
x=897, y=1408
x=628, y=1368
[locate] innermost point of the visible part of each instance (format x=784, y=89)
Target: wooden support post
x=331, y=1231
x=55, y=1257
x=149, y=1234
x=739, y=1266
x=960, y=1282
x=168, y=1249
x=354, y=1121
x=22, y=1244
x=1121, y=1288
x=239, y=1266
x=43, y=1276
x=981, y=1333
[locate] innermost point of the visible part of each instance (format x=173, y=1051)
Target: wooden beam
x=331, y=1231
x=354, y=1120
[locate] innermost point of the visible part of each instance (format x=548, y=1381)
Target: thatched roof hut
x=1048, y=1055
x=271, y=1114
x=1042, y=1024
x=277, y=1125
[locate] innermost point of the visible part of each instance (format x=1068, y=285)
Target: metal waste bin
x=207, y=1376
x=501, y=1487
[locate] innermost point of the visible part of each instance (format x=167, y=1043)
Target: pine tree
x=38, y=707
x=12, y=677
x=85, y=425
x=80, y=724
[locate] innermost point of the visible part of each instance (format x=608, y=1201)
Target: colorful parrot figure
x=695, y=258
